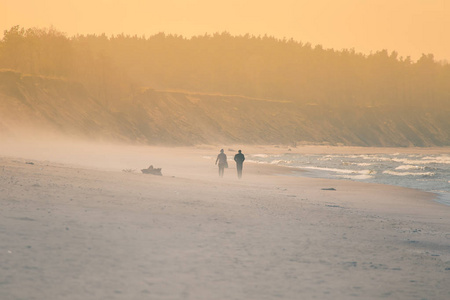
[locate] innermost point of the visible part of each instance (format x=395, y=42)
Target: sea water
x=429, y=173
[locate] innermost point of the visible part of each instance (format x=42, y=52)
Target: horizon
x=408, y=27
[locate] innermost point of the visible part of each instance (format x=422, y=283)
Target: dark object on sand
x=151, y=170
x=328, y=189
x=30, y=163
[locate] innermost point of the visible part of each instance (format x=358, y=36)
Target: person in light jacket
x=222, y=161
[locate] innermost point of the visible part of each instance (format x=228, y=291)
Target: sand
x=87, y=224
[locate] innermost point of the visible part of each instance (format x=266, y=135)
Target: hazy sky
x=411, y=27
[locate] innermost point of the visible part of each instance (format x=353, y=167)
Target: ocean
x=429, y=173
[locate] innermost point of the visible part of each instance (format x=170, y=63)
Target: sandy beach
x=90, y=225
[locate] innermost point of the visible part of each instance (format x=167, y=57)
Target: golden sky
x=411, y=27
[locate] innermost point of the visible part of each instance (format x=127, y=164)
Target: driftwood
x=153, y=171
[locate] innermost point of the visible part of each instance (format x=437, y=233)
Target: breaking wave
x=425, y=172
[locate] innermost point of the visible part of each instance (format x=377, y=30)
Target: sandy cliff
x=183, y=118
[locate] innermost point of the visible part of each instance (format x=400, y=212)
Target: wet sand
x=87, y=226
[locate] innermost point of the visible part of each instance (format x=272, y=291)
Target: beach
x=88, y=224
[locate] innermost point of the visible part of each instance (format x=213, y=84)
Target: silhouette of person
x=222, y=159
x=239, y=159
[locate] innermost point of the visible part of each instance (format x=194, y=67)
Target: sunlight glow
x=411, y=27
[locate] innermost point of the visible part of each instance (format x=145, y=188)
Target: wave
x=280, y=162
x=425, y=160
x=255, y=161
x=355, y=177
x=325, y=158
x=410, y=160
x=408, y=173
x=260, y=155
x=409, y=167
x=344, y=171
x=443, y=159
x=426, y=172
x=376, y=158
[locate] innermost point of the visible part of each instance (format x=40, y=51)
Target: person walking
x=222, y=160
x=239, y=159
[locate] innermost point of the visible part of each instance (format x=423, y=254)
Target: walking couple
x=223, y=163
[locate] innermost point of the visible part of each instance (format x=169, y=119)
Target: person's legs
x=239, y=170
x=221, y=168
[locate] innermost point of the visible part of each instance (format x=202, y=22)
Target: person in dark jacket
x=222, y=160
x=239, y=159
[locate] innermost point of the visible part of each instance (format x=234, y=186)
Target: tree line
x=115, y=67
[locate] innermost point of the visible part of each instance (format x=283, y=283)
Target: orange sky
x=411, y=27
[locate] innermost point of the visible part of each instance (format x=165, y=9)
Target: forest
x=263, y=67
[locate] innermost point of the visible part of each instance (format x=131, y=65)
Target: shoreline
x=300, y=172
x=442, y=197
x=254, y=174
x=97, y=232
x=98, y=160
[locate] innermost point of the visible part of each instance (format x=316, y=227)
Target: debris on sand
x=30, y=163
x=328, y=189
x=151, y=170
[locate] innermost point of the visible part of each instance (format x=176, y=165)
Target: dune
x=42, y=104
x=82, y=222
